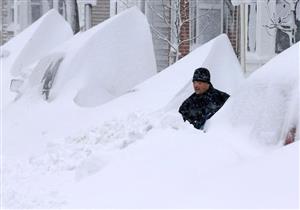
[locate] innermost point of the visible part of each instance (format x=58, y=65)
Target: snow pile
x=34, y=42
x=177, y=166
x=58, y=146
x=268, y=182
x=180, y=167
x=226, y=72
x=175, y=82
x=135, y=151
x=185, y=169
x=22, y=51
x=93, y=66
x=101, y=63
x=39, y=115
x=267, y=104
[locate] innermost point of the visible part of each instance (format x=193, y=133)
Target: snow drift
x=90, y=69
x=267, y=104
x=18, y=54
x=175, y=82
x=226, y=72
x=103, y=62
x=227, y=167
x=34, y=42
x=135, y=151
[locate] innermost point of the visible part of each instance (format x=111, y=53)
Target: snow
x=21, y=52
x=267, y=107
x=96, y=63
x=73, y=79
x=169, y=170
x=135, y=151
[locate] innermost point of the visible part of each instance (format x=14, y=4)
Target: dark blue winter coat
x=198, y=108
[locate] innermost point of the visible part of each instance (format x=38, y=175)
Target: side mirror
x=15, y=85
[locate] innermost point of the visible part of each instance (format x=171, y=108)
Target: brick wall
x=232, y=26
x=5, y=36
x=184, y=48
x=100, y=12
x=234, y=33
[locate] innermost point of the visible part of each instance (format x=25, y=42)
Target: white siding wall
x=161, y=47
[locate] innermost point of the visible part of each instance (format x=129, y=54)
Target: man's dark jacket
x=198, y=108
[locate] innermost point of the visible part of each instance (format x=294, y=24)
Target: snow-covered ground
x=135, y=151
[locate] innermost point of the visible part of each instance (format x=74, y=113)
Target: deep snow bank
x=169, y=170
x=30, y=45
x=126, y=159
x=90, y=68
x=34, y=42
x=267, y=104
x=103, y=62
x=184, y=168
x=270, y=181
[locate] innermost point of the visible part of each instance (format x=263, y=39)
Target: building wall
x=210, y=18
x=16, y=15
x=260, y=46
x=160, y=30
x=231, y=25
x=100, y=12
x=5, y=34
x=267, y=39
x=154, y=12
x=184, y=48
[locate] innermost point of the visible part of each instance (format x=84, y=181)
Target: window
x=288, y=31
x=116, y=7
x=206, y=21
x=50, y=3
x=11, y=12
x=61, y=7
x=36, y=10
x=251, y=35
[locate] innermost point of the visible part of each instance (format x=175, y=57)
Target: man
x=204, y=102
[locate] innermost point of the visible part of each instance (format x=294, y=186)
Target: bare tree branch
x=159, y=15
x=287, y=23
x=124, y=3
x=162, y=37
x=195, y=37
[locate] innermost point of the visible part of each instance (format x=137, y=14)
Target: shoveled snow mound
x=267, y=104
x=34, y=42
x=101, y=63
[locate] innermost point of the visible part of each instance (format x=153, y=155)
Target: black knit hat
x=201, y=74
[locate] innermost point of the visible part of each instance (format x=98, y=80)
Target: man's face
x=200, y=87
